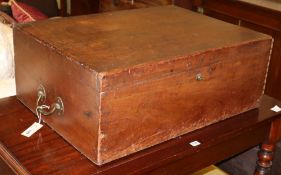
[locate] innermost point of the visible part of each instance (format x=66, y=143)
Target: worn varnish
x=133, y=79
x=46, y=152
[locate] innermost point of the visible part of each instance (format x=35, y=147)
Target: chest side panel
x=38, y=64
x=138, y=114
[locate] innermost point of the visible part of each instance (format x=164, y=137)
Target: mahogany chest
x=131, y=79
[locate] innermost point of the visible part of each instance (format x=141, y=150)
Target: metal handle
x=45, y=109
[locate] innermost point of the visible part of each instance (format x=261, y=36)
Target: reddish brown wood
x=47, y=153
x=88, y=6
x=186, y=99
x=238, y=9
x=265, y=157
x=79, y=8
x=188, y=4
x=263, y=16
x=275, y=132
x=63, y=8
x=82, y=7
x=4, y=168
x=137, y=81
x=222, y=17
x=274, y=76
x=110, y=5
x=266, y=154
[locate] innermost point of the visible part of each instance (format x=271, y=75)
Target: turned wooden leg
x=265, y=157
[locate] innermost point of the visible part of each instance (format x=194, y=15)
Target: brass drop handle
x=55, y=107
x=44, y=109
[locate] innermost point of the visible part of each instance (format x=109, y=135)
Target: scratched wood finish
x=128, y=83
x=47, y=153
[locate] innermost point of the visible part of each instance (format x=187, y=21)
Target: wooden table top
x=47, y=153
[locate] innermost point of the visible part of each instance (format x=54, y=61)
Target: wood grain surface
x=47, y=153
x=108, y=42
x=122, y=76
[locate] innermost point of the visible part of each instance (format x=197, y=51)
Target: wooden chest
x=132, y=79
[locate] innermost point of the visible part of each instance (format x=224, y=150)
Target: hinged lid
x=119, y=40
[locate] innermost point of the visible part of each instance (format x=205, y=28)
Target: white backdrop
x=7, y=70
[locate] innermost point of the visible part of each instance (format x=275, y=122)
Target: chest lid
x=119, y=40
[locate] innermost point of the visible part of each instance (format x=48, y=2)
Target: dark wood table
x=260, y=15
x=47, y=153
